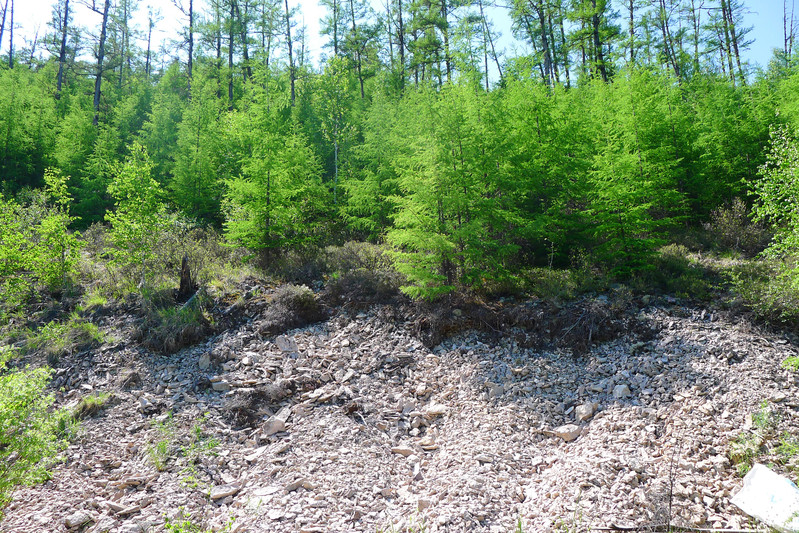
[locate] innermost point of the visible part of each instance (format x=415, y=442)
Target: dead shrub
x=361, y=274
x=732, y=228
x=292, y=306
x=247, y=407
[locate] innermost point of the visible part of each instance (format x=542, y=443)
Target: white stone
x=404, y=451
x=585, y=411
x=223, y=491
x=568, y=432
x=274, y=425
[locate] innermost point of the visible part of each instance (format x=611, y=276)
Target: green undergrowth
x=32, y=433
x=56, y=338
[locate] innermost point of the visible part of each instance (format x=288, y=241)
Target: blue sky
x=765, y=16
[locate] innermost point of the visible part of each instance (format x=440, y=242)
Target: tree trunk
x=62, y=54
x=445, y=31
x=190, y=65
x=566, y=63
x=487, y=32
x=245, y=49
x=539, y=9
x=291, y=55
x=357, y=47
x=3, y=22
x=727, y=40
x=401, y=43
x=631, y=29
x=150, y=25
x=734, y=38
x=230, y=56
x=11, y=39
x=600, y=58
x=100, y=55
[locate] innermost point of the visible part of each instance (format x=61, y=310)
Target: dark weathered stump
x=187, y=285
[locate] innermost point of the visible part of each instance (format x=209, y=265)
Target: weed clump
x=731, y=227
x=167, y=328
x=360, y=274
x=292, y=306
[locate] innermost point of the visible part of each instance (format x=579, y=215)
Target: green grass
x=184, y=524
x=160, y=450
x=749, y=445
x=55, y=339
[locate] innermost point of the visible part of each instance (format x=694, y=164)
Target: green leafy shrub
x=674, y=270
x=90, y=405
x=139, y=212
x=29, y=440
x=776, y=192
x=748, y=445
x=36, y=246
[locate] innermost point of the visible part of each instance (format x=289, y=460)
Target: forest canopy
x=621, y=124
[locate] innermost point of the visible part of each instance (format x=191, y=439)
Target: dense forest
x=625, y=123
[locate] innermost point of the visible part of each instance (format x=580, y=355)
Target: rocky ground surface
x=354, y=424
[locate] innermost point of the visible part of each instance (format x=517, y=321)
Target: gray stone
x=286, y=344
x=621, y=391
x=223, y=491
x=221, y=386
x=205, y=361
x=77, y=519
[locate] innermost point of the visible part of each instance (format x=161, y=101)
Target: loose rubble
x=353, y=424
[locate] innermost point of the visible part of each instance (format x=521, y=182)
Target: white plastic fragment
x=771, y=498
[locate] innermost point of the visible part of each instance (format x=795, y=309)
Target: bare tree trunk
x=244, y=32
x=696, y=20
x=445, y=31
x=357, y=47
x=727, y=39
x=734, y=38
x=631, y=29
x=668, y=44
x=150, y=25
x=230, y=56
x=401, y=36
x=487, y=32
x=62, y=54
x=11, y=39
x=566, y=64
x=539, y=9
x=3, y=22
x=100, y=56
x=390, y=36
x=291, y=55
x=600, y=58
